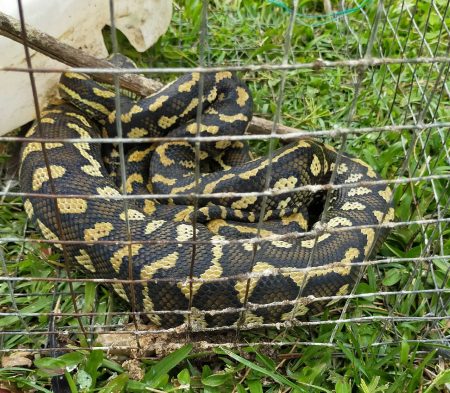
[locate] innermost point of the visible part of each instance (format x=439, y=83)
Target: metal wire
x=420, y=120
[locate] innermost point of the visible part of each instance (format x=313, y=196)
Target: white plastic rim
x=78, y=23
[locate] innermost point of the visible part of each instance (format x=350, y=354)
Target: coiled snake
x=165, y=252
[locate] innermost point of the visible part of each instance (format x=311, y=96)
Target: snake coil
x=274, y=280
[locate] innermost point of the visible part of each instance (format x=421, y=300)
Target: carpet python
x=275, y=279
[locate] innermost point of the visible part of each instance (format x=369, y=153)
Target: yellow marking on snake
x=370, y=172
x=193, y=104
x=133, y=215
x=244, y=202
x=167, y=262
x=185, y=188
x=210, y=98
x=283, y=204
x=85, y=260
x=386, y=194
x=295, y=217
x=75, y=75
x=162, y=151
x=339, y=221
x=37, y=146
x=104, y=93
x=222, y=145
x=196, y=319
x=209, y=188
x=153, y=107
x=381, y=217
x=232, y=118
x=48, y=234
x=184, y=232
x=242, y=96
x=72, y=205
x=353, y=178
x=119, y=289
x=282, y=244
x=211, y=111
x=186, y=87
x=370, y=234
x=223, y=75
x=298, y=310
x=80, y=118
x=311, y=243
x=193, y=127
x=241, y=285
x=353, y=206
x=95, y=105
x=216, y=224
x=164, y=180
x=133, y=178
x=252, y=319
x=100, y=229
x=28, y=206
x=139, y=155
x=94, y=168
x=183, y=214
x=166, y=122
x=127, y=117
x=137, y=132
x=339, y=267
x=48, y=120
x=154, y=226
x=107, y=191
x=40, y=175
x=149, y=207
x=214, y=271
x=149, y=306
x=342, y=168
x=285, y=183
x=359, y=191
x=32, y=130
x=341, y=292
x=253, y=172
x=315, y=166
x=126, y=251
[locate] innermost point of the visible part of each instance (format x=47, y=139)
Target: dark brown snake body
x=165, y=253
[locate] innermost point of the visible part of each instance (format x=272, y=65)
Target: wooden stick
x=51, y=47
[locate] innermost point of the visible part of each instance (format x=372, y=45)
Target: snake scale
x=229, y=271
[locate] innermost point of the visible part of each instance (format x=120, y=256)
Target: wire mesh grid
x=383, y=71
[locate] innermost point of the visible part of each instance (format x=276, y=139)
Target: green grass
x=374, y=356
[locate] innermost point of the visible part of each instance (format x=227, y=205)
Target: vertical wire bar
x=413, y=115
x=11, y=285
x=435, y=65
x=429, y=131
x=385, y=68
x=202, y=44
x=417, y=135
x=402, y=54
x=426, y=107
x=46, y=161
x=423, y=148
x=272, y=136
x=438, y=227
x=368, y=54
x=123, y=173
x=424, y=98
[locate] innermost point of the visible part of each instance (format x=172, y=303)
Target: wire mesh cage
x=369, y=78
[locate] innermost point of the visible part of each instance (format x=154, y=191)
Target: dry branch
x=73, y=57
